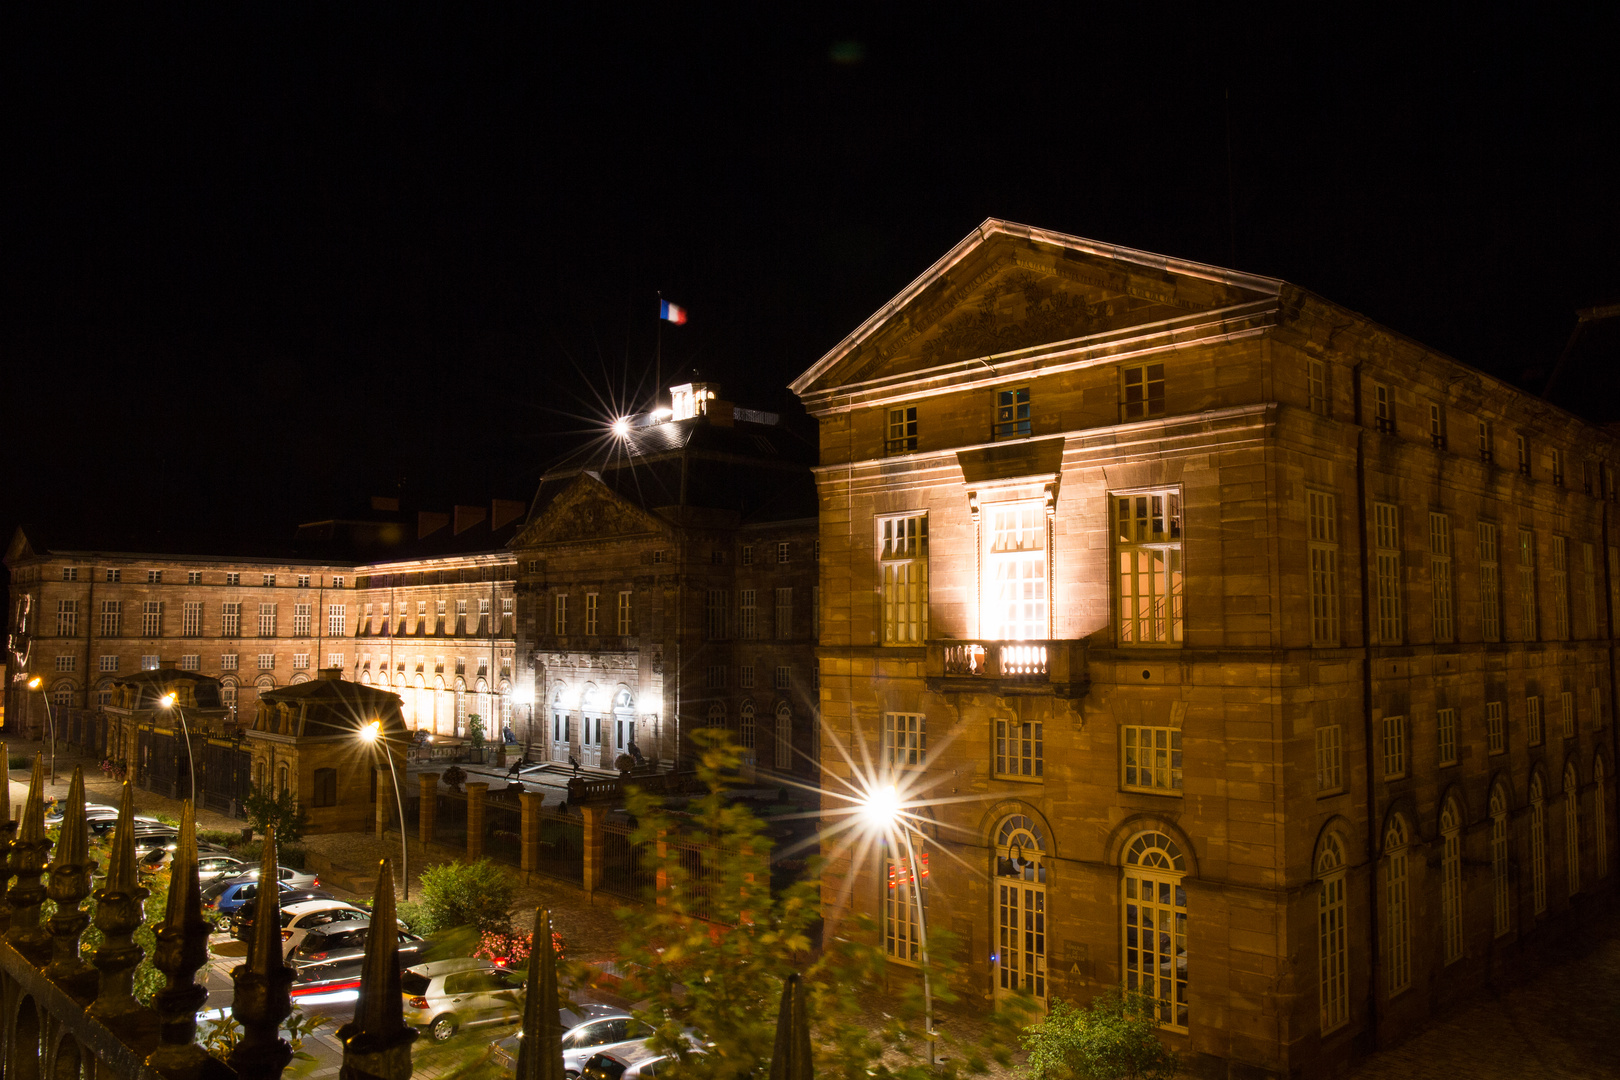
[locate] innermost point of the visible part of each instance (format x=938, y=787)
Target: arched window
x=1572, y=827
x=717, y=715
x=1155, y=913
x=746, y=732
x=624, y=721
x=561, y=735
x=1020, y=907
x=460, y=721
x=281, y=778
x=784, y=736
x=1600, y=820
x=1538, y=844
x=1397, y=908
x=1332, y=941
x=1451, y=880
x=421, y=707
x=1502, y=902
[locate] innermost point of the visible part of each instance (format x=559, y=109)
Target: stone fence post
x=475, y=820
x=427, y=808
x=384, y=807
x=595, y=855
x=531, y=803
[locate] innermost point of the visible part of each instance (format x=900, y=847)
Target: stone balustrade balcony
x=1007, y=667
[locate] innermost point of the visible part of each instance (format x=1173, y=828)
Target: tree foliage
x=711, y=950
x=1114, y=1038
x=266, y=807
x=477, y=895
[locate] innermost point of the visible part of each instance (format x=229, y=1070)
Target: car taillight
x=317, y=882
x=417, y=1003
x=318, y=956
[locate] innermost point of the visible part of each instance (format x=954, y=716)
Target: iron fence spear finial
x=540, y=1047
x=377, y=1042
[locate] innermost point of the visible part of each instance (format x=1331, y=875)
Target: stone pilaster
x=531, y=803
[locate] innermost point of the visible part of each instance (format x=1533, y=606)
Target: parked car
x=241, y=923
x=228, y=895
x=103, y=826
x=447, y=995
x=158, y=859
x=54, y=815
x=297, y=920
x=590, y=1029
x=623, y=1063
x=218, y=865
x=299, y=879
x=331, y=959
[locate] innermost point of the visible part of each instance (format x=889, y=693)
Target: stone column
x=424, y=813
x=531, y=803
x=594, y=854
x=475, y=821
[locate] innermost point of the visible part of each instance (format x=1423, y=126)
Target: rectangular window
x=1589, y=609
x=154, y=577
x=461, y=616
x=660, y=556
x=784, y=677
x=506, y=614
x=1394, y=747
x=152, y=618
x=191, y=662
x=625, y=625
x=67, y=618
x=440, y=608
x=227, y=662
x=1523, y=448
x=191, y=619
x=1316, y=379
x=108, y=663
x=66, y=662
x=1490, y=586
x=1495, y=727
x=1566, y=706
x=70, y=573
x=193, y=577
x=1437, y=427
x=1387, y=527
x=337, y=581
x=483, y=613
x=1015, y=598
x=1383, y=408
x=559, y=617
x=717, y=558
x=784, y=614
x=337, y=617
x=1012, y=414
x=1560, y=588
x=593, y=603
x=334, y=660
x=815, y=613
x=1020, y=748
x=303, y=581
x=714, y=677
x=1532, y=720
x=745, y=676
x=1486, y=453
x=1440, y=576
x=1597, y=708
x=1558, y=466
x=748, y=554
x=269, y=579
x=300, y=660
x=149, y=662
x=902, y=931
x=1152, y=758
x=903, y=563
x=1147, y=539
x=112, y=615
x=1446, y=723
x=783, y=551
x=1329, y=758
x=1527, y=584
x=905, y=740
x=267, y=620
x=267, y=661
x=1141, y=392
x=115, y=576
x=902, y=437
x=747, y=614
x=231, y=619
x=715, y=626
x=301, y=615
x=1324, y=552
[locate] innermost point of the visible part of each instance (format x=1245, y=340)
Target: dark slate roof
x=340, y=707
x=152, y=684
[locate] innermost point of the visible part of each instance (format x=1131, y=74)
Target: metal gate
x=225, y=777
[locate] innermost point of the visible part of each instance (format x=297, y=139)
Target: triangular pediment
x=587, y=510
x=1010, y=288
x=20, y=548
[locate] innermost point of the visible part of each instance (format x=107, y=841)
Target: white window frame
x=1323, y=519
x=66, y=662
x=1387, y=563
x=112, y=617
x=267, y=620
x=902, y=938
x=191, y=662
x=301, y=619
x=902, y=430
x=267, y=661
x=1445, y=723
x=67, y=618
x=1148, y=566
x=1154, y=896
x=903, y=569
x=228, y=662
x=107, y=662
x=1018, y=749
x=337, y=618
x=905, y=741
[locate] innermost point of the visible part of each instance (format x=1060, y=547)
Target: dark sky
x=262, y=263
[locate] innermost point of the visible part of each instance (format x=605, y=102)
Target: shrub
x=266, y=808
x=221, y=837
x=511, y=949
x=286, y=854
x=413, y=915
x=475, y=731
x=1114, y=1038
x=454, y=777
x=477, y=895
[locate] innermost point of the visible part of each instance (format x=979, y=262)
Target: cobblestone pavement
x=1561, y=1024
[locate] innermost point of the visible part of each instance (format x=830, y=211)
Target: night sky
x=260, y=266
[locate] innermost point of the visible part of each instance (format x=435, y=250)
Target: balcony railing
x=1057, y=665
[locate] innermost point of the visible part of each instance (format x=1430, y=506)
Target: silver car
x=447, y=995
x=587, y=1030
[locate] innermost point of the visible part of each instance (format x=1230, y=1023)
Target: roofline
x=992, y=227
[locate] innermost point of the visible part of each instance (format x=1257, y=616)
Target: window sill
x=1018, y=779
x=1166, y=793
x=1330, y=793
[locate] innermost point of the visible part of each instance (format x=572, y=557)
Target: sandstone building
x=1259, y=658
x=667, y=581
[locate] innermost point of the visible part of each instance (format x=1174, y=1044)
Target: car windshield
x=324, y=918
x=215, y=889
x=414, y=982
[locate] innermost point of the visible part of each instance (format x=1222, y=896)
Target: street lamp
x=38, y=684
x=372, y=733
x=882, y=808
x=172, y=701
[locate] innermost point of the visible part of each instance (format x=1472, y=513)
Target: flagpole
x=658, y=357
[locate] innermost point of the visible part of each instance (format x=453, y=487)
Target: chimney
x=467, y=517
x=168, y=665
x=383, y=502
x=502, y=511
x=331, y=674
x=429, y=522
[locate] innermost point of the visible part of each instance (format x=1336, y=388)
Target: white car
x=297, y=920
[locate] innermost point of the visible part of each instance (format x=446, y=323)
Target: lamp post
x=372, y=733
x=882, y=808
x=172, y=701
x=38, y=684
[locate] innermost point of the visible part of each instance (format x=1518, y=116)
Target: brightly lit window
x=1451, y=881
x=1332, y=940
x=1397, y=908
x=1490, y=588
x=1152, y=758
x=1501, y=896
x=1155, y=932
x=903, y=561
x=1387, y=535
x=1538, y=844
x=1440, y=575
x=1147, y=537
x=1015, y=601
x=1324, y=553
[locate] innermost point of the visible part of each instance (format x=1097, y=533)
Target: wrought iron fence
x=450, y=819
x=503, y=831
x=561, y=847
x=627, y=870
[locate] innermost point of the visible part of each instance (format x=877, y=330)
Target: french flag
x=671, y=312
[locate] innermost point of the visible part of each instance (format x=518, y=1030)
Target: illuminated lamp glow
x=881, y=807
x=621, y=426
